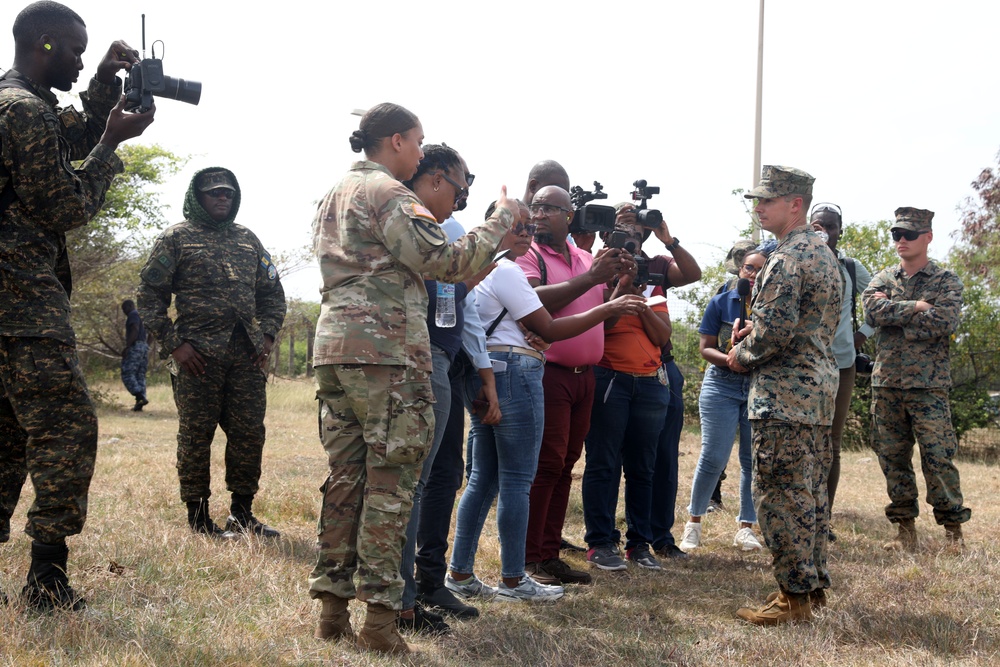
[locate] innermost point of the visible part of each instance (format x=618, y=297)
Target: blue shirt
x=720, y=314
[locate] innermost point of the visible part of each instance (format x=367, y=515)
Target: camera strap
x=852, y=272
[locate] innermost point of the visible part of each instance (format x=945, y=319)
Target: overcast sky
x=887, y=103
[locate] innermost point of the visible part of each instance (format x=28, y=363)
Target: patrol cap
x=915, y=219
x=777, y=181
x=211, y=180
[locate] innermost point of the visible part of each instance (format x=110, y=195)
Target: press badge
x=661, y=375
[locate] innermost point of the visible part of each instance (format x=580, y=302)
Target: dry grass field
x=159, y=595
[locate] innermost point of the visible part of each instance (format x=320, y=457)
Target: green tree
x=106, y=254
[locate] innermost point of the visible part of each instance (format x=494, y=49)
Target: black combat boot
x=201, y=522
x=242, y=520
x=48, y=586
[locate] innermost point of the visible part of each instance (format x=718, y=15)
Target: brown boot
x=817, y=598
x=906, y=538
x=784, y=608
x=379, y=632
x=953, y=534
x=334, y=618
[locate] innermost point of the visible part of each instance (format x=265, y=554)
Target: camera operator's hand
x=122, y=126
x=626, y=217
x=608, y=263
x=663, y=234
x=189, y=359
x=119, y=56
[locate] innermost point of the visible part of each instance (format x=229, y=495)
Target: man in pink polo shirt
x=568, y=281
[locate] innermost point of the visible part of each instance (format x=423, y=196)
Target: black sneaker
x=561, y=570
x=445, y=601
x=671, y=551
x=606, y=558
x=639, y=554
x=566, y=545
x=250, y=525
x=423, y=622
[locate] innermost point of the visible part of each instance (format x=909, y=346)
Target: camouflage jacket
x=37, y=143
x=795, y=310
x=911, y=348
x=221, y=276
x=375, y=243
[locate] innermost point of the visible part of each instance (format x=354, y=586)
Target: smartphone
x=500, y=255
x=617, y=239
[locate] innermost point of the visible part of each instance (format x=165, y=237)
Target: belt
x=636, y=375
x=572, y=369
x=517, y=350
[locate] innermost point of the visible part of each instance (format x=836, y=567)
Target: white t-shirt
x=506, y=287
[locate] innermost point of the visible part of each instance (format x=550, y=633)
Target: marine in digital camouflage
x=778, y=181
x=375, y=242
x=48, y=427
x=227, y=296
x=795, y=310
x=911, y=379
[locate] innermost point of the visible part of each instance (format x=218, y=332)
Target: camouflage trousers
x=790, y=467
x=231, y=394
x=375, y=424
x=134, y=368
x=48, y=429
x=900, y=416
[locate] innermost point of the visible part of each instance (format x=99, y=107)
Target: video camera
x=146, y=79
x=590, y=217
x=618, y=239
x=649, y=218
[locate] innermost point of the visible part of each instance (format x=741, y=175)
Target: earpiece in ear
x=48, y=47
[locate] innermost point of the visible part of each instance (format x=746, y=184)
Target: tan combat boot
x=906, y=538
x=379, y=632
x=783, y=608
x=334, y=618
x=817, y=598
x=953, y=534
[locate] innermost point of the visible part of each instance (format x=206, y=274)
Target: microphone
x=743, y=289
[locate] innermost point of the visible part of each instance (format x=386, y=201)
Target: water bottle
x=444, y=313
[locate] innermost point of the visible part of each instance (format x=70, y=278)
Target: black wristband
x=673, y=246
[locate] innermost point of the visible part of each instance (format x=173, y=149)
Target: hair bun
x=358, y=140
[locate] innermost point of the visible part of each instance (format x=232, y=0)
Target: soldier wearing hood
x=230, y=306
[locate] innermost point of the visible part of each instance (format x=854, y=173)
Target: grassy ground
x=159, y=595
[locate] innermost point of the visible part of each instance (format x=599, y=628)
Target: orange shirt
x=628, y=349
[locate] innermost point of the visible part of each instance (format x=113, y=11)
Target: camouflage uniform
x=374, y=242
x=228, y=297
x=910, y=382
x=48, y=427
x=136, y=357
x=795, y=311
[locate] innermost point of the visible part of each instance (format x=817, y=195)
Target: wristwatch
x=673, y=246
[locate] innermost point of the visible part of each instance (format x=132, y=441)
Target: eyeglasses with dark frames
x=461, y=192
x=547, y=209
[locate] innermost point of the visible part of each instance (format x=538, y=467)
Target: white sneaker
x=692, y=537
x=530, y=590
x=746, y=540
x=473, y=587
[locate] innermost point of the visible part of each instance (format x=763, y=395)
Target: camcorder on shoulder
x=590, y=217
x=647, y=217
x=146, y=79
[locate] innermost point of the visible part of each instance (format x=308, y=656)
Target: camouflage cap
x=734, y=258
x=916, y=219
x=211, y=180
x=776, y=181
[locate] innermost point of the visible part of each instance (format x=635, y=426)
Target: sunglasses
x=221, y=193
x=528, y=227
x=461, y=192
x=907, y=234
x=546, y=209
x=826, y=206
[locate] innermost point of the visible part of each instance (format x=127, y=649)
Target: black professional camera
x=642, y=274
x=590, y=217
x=146, y=79
x=647, y=217
x=863, y=364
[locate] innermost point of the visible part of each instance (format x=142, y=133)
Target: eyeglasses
x=907, y=234
x=469, y=178
x=528, y=227
x=826, y=206
x=546, y=209
x=751, y=269
x=461, y=192
x=221, y=193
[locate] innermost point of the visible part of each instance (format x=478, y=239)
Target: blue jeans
x=504, y=460
x=661, y=514
x=625, y=428
x=441, y=386
x=723, y=407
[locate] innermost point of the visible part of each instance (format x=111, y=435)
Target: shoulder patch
x=268, y=265
x=418, y=211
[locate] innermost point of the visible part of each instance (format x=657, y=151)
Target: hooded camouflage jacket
x=221, y=277
x=37, y=143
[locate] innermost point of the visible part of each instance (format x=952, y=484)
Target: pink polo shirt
x=587, y=348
